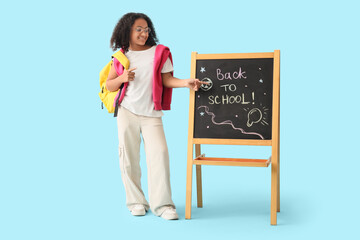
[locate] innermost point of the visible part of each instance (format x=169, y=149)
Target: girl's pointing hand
x=128, y=75
x=194, y=84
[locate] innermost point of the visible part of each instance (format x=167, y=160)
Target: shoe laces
x=139, y=206
x=170, y=210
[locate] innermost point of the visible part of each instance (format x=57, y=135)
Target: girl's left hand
x=194, y=84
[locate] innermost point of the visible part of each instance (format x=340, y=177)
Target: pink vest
x=161, y=94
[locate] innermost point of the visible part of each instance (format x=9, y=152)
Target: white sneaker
x=170, y=214
x=138, y=210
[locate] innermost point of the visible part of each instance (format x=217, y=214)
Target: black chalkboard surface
x=237, y=102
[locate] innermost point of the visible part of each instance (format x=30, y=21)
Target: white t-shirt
x=138, y=96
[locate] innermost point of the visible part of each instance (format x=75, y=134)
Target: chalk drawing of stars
x=202, y=114
x=202, y=69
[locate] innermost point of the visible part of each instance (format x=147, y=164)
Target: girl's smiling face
x=139, y=34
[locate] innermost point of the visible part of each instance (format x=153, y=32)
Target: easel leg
x=278, y=188
x=189, y=181
x=198, y=178
x=199, y=186
x=274, y=192
x=275, y=184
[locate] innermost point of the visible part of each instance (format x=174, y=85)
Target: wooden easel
x=274, y=142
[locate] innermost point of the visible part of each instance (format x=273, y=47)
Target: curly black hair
x=121, y=34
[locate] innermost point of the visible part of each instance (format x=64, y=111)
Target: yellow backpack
x=107, y=97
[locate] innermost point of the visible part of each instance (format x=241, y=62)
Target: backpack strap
x=120, y=56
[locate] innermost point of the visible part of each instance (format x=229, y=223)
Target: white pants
x=130, y=126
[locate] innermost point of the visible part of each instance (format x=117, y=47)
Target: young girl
x=146, y=89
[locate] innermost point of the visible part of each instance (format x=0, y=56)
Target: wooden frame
x=200, y=159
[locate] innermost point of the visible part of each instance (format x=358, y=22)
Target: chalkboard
x=237, y=102
x=239, y=106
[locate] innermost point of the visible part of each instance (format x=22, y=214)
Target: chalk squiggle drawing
x=228, y=122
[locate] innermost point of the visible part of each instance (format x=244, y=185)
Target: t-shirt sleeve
x=168, y=67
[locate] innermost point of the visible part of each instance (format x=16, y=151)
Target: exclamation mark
x=253, y=97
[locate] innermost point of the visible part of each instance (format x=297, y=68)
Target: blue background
x=59, y=173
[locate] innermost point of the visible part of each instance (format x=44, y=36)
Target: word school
x=226, y=99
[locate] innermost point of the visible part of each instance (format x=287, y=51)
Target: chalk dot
x=207, y=127
x=245, y=85
x=265, y=93
x=198, y=96
x=236, y=115
x=260, y=69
